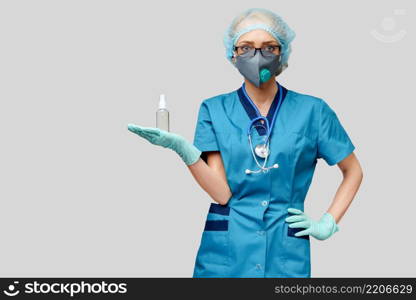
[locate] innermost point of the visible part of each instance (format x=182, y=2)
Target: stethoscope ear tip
x=262, y=169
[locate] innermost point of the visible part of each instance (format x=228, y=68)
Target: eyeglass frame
x=255, y=49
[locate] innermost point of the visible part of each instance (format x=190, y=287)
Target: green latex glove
x=320, y=230
x=188, y=152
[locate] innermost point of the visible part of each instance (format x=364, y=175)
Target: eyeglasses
x=265, y=50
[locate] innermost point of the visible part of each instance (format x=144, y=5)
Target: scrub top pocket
x=297, y=253
x=213, y=254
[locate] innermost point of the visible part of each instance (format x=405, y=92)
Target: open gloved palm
x=188, y=152
x=321, y=230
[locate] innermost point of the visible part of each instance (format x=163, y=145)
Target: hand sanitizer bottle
x=162, y=114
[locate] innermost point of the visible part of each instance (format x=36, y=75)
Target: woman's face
x=256, y=38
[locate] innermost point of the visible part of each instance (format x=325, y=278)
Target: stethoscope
x=262, y=150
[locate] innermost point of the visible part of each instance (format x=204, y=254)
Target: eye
x=246, y=48
x=271, y=48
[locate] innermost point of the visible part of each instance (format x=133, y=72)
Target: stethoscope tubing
x=268, y=129
x=259, y=116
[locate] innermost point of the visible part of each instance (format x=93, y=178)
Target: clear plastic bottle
x=162, y=114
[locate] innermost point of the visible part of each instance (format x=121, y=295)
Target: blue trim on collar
x=252, y=111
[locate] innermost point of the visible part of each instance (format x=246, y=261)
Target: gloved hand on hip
x=320, y=230
x=188, y=152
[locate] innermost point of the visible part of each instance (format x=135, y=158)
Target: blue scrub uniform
x=248, y=237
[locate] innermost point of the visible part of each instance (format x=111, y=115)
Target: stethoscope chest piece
x=262, y=150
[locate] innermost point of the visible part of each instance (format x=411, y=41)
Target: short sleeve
x=334, y=143
x=205, y=139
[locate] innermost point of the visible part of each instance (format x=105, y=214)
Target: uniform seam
x=319, y=126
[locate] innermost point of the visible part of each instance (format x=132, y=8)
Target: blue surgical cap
x=260, y=18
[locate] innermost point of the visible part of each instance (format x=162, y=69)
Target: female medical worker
x=259, y=147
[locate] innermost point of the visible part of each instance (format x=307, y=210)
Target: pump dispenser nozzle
x=162, y=101
x=162, y=114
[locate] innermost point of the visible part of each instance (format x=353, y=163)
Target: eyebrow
x=266, y=42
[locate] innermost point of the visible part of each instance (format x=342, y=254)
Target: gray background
x=82, y=196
